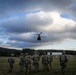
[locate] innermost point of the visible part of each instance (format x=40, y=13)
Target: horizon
x=37, y=49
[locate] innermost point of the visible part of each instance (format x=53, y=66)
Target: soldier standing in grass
x=45, y=63
x=28, y=63
x=22, y=62
x=63, y=61
x=50, y=60
x=36, y=58
x=11, y=62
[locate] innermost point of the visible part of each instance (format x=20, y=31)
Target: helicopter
x=39, y=36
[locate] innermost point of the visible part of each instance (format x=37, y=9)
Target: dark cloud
x=12, y=7
x=72, y=10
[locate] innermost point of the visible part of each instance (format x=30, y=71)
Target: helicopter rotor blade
x=40, y=32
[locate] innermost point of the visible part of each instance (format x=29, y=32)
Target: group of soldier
x=27, y=60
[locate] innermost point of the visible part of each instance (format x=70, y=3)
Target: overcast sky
x=20, y=20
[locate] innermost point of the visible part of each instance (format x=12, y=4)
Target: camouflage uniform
x=21, y=63
x=35, y=58
x=45, y=63
x=50, y=61
x=28, y=63
x=63, y=61
x=11, y=62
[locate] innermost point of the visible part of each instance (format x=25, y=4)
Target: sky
x=20, y=20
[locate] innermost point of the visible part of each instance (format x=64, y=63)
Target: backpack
x=11, y=60
x=63, y=59
x=22, y=59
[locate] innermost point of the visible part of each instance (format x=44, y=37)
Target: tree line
x=8, y=52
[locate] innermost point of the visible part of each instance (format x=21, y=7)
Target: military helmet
x=21, y=54
x=44, y=53
x=26, y=53
x=50, y=53
x=35, y=52
x=12, y=55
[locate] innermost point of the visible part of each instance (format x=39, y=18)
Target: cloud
x=30, y=22
x=55, y=29
x=21, y=19
x=19, y=7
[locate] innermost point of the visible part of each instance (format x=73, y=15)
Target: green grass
x=56, y=70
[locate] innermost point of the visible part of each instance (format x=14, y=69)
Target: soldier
x=22, y=62
x=28, y=63
x=36, y=58
x=45, y=63
x=11, y=62
x=50, y=60
x=63, y=61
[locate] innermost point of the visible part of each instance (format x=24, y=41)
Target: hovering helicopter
x=39, y=36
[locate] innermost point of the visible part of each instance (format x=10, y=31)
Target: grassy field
x=56, y=70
